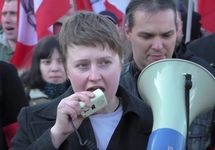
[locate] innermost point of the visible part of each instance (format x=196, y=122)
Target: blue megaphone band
x=166, y=139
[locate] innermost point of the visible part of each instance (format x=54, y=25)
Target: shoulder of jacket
x=5, y=66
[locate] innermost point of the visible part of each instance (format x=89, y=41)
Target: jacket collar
x=36, y=93
x=135, y=70
x=49, y=110
x=181, y=52
x=131, y=104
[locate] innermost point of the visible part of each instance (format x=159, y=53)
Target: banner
x=207, y=10
x=35, y=21
x=116, y=6
x=1, y=5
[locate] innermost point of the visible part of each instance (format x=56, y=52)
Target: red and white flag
x=35, y=21
x=116, y=6
x=1, y=5
x=207, y=10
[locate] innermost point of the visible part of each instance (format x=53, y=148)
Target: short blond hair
x=88, y=28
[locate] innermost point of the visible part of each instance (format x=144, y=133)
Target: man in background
x=8, y=34
x=154, y=37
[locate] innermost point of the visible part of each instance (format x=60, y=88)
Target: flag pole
x=195, y=5
x=189, y=20
x=73, y=5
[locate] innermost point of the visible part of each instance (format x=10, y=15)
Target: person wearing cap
x=110, y=15
x=57, y=25
x=180, y=6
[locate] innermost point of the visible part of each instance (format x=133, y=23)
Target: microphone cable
x=87, y=143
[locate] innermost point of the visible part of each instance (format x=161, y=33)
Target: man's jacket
x=5, y=51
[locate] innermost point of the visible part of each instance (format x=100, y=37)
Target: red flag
x=1, y=5
x=207, y=10
x=35, y=20
x=10, y=132
x=83, y=5
x=115, y=6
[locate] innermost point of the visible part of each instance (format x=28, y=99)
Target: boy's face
x=89, y=68
x=153, y=36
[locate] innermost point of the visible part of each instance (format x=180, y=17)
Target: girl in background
x=46, y=79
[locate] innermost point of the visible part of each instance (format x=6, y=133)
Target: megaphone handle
x=188, y=86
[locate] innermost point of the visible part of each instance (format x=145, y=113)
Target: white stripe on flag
x=119, y=4
x=26, y=33
x=37, y=4
x=98, y=6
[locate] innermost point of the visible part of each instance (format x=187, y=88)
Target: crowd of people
x=40, y=107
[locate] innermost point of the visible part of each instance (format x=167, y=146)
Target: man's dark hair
x=150, y=6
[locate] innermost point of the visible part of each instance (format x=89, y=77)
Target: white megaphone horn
x=162, y=86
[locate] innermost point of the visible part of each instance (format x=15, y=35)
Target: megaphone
x=162, y=85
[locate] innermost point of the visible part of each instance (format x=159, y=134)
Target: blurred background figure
x=46, y=78
x=181, y=7
x=57, y=25
x=35, y=21
x=8, y=34
x=196, y=32
x=12, y=99
x=204, y=48
x=110, y=15
x=182, y=15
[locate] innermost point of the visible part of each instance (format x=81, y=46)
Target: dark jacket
x=200, y=128
x=132, y=132
x=204, y=48
x=12, y=99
